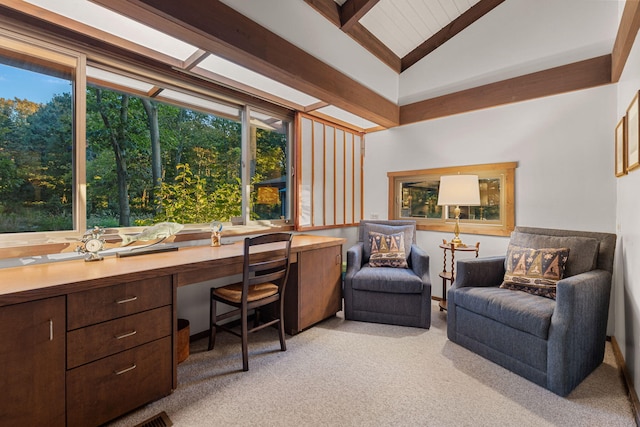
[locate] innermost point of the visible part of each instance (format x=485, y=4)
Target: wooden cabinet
x=119, y=349
x=314, y=289
x=32, y=357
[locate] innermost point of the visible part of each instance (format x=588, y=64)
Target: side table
x=449, y=276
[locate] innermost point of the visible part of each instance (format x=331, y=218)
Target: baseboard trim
x=633, y=396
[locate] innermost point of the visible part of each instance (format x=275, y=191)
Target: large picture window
x=150, y=161
x=414, y=195
x=85, y=144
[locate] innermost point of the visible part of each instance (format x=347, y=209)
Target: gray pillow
x=583, y=251
x=388, y=229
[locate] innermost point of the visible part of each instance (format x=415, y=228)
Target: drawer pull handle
x=122, y=301
x=128, y=334
x=50, y=329
x=130, y=368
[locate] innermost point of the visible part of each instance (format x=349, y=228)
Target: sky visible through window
x=24, y=84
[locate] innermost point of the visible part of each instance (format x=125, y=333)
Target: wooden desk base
x=117, y=297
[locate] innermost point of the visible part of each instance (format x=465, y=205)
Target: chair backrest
x=362, y=236
x=267, y=259
x=606, y=248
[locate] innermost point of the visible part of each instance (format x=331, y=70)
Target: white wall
x=564, y=149
x=627, y=278
x=517, y=37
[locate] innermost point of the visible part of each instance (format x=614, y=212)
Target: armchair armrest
x=420, y=263
x=355, y=255
x=578, y=328
x=488, y=271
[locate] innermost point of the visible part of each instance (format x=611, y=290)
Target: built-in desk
x=85, y=342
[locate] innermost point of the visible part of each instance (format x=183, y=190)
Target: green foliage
x=187, y=199
x=200, y=178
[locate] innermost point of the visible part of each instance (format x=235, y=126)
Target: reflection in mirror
x=415, y=196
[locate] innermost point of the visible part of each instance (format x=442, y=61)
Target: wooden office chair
x=265, y=273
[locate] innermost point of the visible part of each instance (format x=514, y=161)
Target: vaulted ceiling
x=368, y=63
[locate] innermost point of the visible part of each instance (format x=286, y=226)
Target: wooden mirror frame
x=502, y=227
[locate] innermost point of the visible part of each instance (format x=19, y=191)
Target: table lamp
x=457, y=190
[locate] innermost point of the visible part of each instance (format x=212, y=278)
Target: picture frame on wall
x=633, y=134
x=621, y=148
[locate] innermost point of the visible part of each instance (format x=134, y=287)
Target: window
x=150, y=161
x=414, y=195
x=268, y=151
x=131, y=147
x=330, y=174
x=37, y=191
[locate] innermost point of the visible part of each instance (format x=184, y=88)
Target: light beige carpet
x=344, y=373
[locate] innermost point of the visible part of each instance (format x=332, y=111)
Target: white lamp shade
x=459, y=190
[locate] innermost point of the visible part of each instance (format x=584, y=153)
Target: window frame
x=35, y=48
x=504, y=171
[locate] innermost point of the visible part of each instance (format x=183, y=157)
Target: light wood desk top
x=188, y=265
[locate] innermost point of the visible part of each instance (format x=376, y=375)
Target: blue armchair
x=398, y=296
x=555, y=343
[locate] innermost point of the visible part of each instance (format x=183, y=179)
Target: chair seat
x=522, y=311
x=233, y=293
x=387, y=279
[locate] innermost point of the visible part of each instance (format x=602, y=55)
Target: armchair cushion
x=535, y=271
x=387, y=250
x=527, y=313
x=583, y=251
x=407, y=230
x=387, y=279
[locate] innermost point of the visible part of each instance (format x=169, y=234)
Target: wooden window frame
x=504, y=171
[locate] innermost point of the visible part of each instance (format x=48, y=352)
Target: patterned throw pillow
x=387, y=250
x=535, y=271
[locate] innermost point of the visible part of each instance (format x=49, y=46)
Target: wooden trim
x=622, y=366
x=101, y=54
x=196, y=57
x=470, y=16
x=352, y=10
x=327, y=8
x=579, y=75
x=333, y=121
x=332, y=11
x=370, y=42
x=217, y=28
x=219, y=79
x=503, y=228
x=313, y=107
x=53, y=19
x=627, y=31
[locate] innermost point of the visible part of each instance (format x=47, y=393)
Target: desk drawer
x=104, y=339
x=98, y=305
x=108, y=388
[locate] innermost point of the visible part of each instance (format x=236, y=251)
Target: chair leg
x=245, y=350
x=212, y=321
x=283, y=345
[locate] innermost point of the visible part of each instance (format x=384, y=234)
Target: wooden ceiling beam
x=332, y=11
x=474, y=13
x=327, y=8
x=219, y=29
x=352, y=10
x=579, y=75
x=627, y=31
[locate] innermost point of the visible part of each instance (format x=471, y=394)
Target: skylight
x=103, y=19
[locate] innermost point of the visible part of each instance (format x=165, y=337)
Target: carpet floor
x=345, y=373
